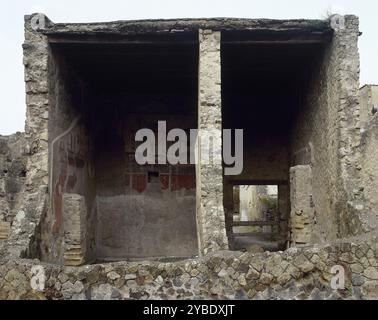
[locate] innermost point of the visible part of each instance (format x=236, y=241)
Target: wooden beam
x=254, y=234
x=102, y=41
x=257, y=182
x=54, y=40
x=254, y=223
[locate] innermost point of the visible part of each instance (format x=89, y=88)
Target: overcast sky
x=12, y=95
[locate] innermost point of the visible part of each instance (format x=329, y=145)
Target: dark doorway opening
x=105, y=90
x=271, y=89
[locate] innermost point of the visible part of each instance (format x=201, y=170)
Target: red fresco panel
x=139, y=182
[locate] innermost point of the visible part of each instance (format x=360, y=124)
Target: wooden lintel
x=254, y=223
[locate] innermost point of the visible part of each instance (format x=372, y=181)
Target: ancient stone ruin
x=80, y=219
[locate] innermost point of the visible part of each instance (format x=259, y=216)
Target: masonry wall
x=368, y=100
x=251, y=206
x=12, y=180
x=369, y=172
x=300, y=274
x=327, y=136
x=354, y=216
x=369, y=161
x=314, y=141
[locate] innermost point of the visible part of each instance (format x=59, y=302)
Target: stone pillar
x=36, y=53
x=302, y=212
x=74, y=218
x=284, y=210
x=210, y=213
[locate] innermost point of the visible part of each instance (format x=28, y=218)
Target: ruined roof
x=182, y=25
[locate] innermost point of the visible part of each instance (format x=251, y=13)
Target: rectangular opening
x=153, y=176
x=276, y=87
x=256, y=218
x=103, y=92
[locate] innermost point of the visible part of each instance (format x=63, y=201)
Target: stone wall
x=302, y=217
x=329, y=132
x=299, y=273
x=353, y=215
x=369, y=172
x=369, y=162
x=314, y=139
x=251, y=206
x=368, y=100
x=12, y=179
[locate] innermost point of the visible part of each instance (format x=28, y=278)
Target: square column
x=302, y=211
x=210, y=213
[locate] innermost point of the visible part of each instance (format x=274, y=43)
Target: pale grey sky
x=12, y=96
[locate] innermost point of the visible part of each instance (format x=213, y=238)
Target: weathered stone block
x=302, y=213
x=74, y=218
x=370, y=290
